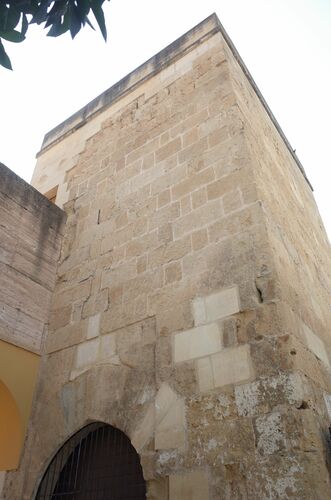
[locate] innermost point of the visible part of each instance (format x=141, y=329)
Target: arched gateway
x=97, y=463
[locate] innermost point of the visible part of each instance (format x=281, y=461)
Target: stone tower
x=192, y=304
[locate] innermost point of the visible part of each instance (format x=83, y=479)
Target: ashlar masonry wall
x=168, y=318
x=30, y=239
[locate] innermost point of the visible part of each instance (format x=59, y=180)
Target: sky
x=286, y=45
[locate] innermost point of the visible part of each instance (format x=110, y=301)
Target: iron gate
x=97, y=463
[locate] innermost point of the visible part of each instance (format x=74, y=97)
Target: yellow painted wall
x=11, y=435
x=18, y=374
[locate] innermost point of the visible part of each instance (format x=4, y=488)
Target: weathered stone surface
x=190, y=309
x=190, y=486
x=169, y=419
x=93, y=328
x=158, y=489
x=316, y=345
x=87, y=353
x=263, y=395
x=31, y=231
x=144, y=431
x=205, y=374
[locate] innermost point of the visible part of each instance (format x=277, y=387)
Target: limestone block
x=141, y=264
x=177, y=318
x=69, y=335
x=87, y=353
x=60, y=317
x=158, y=489
x=199, y=198
x=194, y=151
x=148, y=161
x=173, y=272
x=191, y=486
x=107, y=348
x=199, y=239
x=205, y=374
x=185, y=205
x=165, y=233
x=190, y=137
x=69, y=295
x=93, y=326
x=232, y=366
x=163, y=198
x=164, y=215
x=232, y=201
x=230, y=329
x=165, y=398
x=199, y=310
x=192, y=183
x=169, y=419
x=168, y=150
x=222, y=304
x=200, y=217
x=174, y=250
x=145, y=430
x=170, y=433
x=197, y=342
x=216, y=306
x=315, y=344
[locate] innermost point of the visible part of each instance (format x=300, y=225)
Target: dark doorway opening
x=97, y=463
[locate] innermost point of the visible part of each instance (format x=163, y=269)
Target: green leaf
x=100, y=18
x=3, y=15
x=12, y=36
x=75, y=22
x=57, y=29
x=4, y=59
x=89, y=23
x=13, y=18
x=25, y=24
x=56, y=13
x=82, y=10
x=40, y=14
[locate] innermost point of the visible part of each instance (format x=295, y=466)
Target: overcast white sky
x=286, y=45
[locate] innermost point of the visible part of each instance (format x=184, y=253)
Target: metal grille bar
x=97, y=463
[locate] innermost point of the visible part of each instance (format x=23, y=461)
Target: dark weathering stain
x=48, y=216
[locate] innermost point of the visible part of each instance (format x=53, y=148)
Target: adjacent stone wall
x=168, y=317
x=30, y=238
x=31, y=230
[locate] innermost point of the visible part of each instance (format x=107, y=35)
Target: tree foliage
x=59, y=16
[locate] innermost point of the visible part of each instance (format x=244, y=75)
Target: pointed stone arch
x=98, y=462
